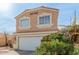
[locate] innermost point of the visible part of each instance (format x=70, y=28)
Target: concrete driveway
x=7, y=51
x=22, y=52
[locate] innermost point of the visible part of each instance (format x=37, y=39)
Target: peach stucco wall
x=33, y=21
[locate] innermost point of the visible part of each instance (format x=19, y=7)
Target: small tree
x=56, y=43
x=6, y=38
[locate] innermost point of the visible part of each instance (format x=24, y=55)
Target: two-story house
x=33, y=24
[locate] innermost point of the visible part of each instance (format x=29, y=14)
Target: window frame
x=27, y=18
x=44, y=25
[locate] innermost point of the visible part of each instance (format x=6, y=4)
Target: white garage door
x=29, y=43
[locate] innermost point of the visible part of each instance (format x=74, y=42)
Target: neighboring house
x=3, y=40
x=6, y=39
x=11, y=40
x=33, y=24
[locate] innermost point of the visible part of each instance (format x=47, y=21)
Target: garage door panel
x=29, y=43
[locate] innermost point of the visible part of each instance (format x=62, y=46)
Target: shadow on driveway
x=22, y=52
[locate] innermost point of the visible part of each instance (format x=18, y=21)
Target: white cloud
x=13, y=1
x=77, y=23
x=5, y=7
x=61, y=27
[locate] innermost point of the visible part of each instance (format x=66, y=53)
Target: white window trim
x=22, y=19
x=44, y=25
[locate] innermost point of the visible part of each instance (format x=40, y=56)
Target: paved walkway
x=7, y=51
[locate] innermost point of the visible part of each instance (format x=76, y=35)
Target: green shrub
x=56, y=43
x=76, y=51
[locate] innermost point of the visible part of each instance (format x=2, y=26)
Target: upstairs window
x=45, y=19
x=24, y=23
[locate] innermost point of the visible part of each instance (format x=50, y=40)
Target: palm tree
x=6, y=37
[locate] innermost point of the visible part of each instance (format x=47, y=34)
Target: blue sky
x=9, y=11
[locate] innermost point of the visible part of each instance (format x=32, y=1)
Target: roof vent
x=44, y=6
